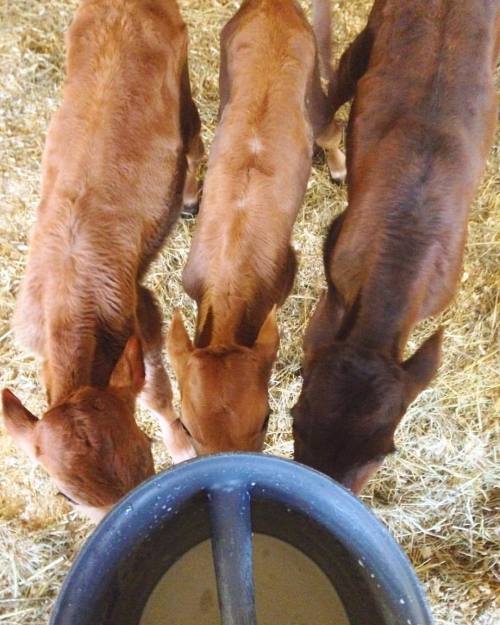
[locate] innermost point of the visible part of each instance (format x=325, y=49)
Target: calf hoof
x=338, y=177
x=337, y=166
x=190, y=210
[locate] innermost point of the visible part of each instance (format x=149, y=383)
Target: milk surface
x=290, y=589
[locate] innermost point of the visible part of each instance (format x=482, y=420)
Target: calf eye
x=185, y=429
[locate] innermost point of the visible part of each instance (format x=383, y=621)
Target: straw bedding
x=437, y=494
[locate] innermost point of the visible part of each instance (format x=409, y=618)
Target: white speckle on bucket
x=360, y=562
x=402, y=601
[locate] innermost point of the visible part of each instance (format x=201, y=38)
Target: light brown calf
x=114, y=169
x=241, y=265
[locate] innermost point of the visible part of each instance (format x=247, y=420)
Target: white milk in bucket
x=290, y=589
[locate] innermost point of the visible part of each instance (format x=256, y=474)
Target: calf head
x=224, y=389
x=90, y=444
x=351, y=403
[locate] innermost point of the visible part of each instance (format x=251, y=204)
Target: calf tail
x=322, y=26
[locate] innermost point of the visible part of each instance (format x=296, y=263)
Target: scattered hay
x=437, y=495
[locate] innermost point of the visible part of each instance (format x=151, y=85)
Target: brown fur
x=114, y=169
x=241, y=264
x=422, y=121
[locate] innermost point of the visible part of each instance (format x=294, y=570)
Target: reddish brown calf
x=241, y=264
x=114, y=170
x=422, y=120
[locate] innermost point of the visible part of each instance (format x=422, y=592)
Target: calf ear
x=179, y=344
x=424, y=363
x=19, y=421
x=268, y=339
x=323, y=326
x=129, y=370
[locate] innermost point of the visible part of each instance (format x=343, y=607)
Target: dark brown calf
x=241, y=264
x=422, y=121
x=114, y=177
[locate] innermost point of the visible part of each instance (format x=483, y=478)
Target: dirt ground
x=436, y=495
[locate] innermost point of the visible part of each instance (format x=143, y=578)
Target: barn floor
x=437, y=494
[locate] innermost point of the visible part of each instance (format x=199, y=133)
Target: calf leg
x=191, y=126
x=157, y=392
x=190, y=194
x=353, y=64
x=329, y=139
x=327, y=132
